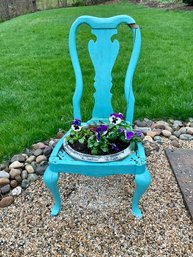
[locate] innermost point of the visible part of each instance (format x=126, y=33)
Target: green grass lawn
x=37, y=81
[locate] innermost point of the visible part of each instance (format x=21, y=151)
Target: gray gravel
x=96, y=218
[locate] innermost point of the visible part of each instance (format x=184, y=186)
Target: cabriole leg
x=142, y=182
x=51, y=179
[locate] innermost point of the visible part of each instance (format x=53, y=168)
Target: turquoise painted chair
x=103, y=53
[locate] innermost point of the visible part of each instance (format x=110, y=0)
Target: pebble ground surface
x=96, y=218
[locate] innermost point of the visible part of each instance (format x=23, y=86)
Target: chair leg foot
x=55, y=210
x=142, y=183
x=51, y=179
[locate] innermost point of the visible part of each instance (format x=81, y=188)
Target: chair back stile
x=103, y=53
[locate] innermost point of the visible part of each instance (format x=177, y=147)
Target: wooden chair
x=103, y=53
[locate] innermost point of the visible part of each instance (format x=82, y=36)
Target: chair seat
x=63, y=162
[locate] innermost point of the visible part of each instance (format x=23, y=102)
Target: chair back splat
x=103, y=53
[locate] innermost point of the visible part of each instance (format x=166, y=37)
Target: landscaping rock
x=14, y=172
x=172, y=137
x=169, y=128
x=148, y=138
x=2, y=166
x=177, y=125
x=140, y=123
x=182, y=130
x=16, y=164
x=13, y=183
x=188, y=124
x=6, y=201
x=144, y=130
x=158, y=131
x=189, y=130
x=40, y=169
x=16, y=191
x=55, y=143
x=150, y=146
x=18, y=178
x=29, y=169
x=5, y=189
x=4, y=181
x=148, y=122
x=34, y=164
x=152, y=134
x=4, y=174
x=18, y=157
x=176, y=133
x=29, y=152
x=39, y=145
x=30, y=159
x=38, y=152
x=60, y=134
x=24, y=183
x=166, y=133
x=47, y=151
x=186, y=130
x=51, y=143
x=32, y=178
x=186, y=137
x=175, y=143
x=158, y=139
x=170, y=121
x=161, y=124
x=41, y=158
x=24, y=174
x=7, y=168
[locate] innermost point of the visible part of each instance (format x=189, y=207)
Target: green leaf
x=132, y=146
x=81, y=140
x=71, y=141
x=90, y=145
x=94, y=151
x=105, y=149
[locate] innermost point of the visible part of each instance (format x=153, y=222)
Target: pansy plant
x=104, y=138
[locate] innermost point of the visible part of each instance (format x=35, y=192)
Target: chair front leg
x=51, y=179
x=142, y=182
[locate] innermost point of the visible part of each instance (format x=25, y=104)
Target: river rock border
x=23, y=169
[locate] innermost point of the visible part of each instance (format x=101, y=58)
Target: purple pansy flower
x=117, y=115
x=128, y=135
x=101, y=129
x=115, y=147
x=120, y=130
x=116, y=118
x=76, y=125
x=76, y=122
x=138, y=133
